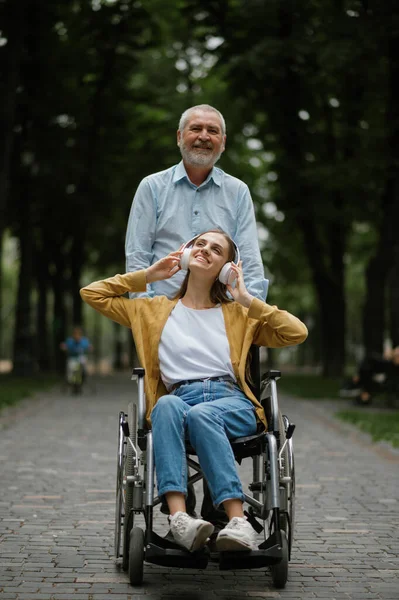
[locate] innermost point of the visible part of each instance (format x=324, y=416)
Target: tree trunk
x=374, y=322
x=374, y=306
x=77, y=259
x=13, y=26
x=327, y=268
x=23, y=359
x=97, y=338
x=2, y=350
x=42, y=333
x=329, y=285
x=59, y=313
x=332, y=313
x=393, y=299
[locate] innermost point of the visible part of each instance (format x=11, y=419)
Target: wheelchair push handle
x=138, y=372
x=271, y=374
x=138, y=375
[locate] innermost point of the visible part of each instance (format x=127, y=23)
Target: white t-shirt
x=194, y=345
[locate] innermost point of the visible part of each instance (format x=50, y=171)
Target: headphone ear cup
x=224, y=274
x=185, y=257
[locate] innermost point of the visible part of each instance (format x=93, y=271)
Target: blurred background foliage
x=91, y=97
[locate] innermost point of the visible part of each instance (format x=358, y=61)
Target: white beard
x=198, y=159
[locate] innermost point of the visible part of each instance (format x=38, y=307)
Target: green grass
x=309, y=386
x=13, y=389
x=380, y=425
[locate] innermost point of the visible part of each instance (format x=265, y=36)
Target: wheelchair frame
x=271, y=498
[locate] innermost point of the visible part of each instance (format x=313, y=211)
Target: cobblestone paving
x=58, y=465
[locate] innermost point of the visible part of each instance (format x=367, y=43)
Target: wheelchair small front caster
x=136, y=556
x=279, y=571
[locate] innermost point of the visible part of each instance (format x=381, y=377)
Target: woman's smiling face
x=209, y=253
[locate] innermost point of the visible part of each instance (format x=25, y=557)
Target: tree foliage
x=93, y=92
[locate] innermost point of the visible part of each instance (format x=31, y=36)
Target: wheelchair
x=270, y=497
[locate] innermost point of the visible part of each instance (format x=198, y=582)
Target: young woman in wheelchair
x=194, y=351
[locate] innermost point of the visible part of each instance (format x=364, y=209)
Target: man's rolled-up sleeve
x=247, y=240
x=140, y=234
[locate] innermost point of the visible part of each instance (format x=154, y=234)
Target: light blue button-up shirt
x=168, y=210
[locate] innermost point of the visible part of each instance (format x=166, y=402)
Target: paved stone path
x=58, y=465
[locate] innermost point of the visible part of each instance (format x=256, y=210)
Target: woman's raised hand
x=239, y=292
x=165, y=267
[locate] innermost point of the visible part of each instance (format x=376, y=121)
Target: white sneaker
x=237, y=535
x=189, y=532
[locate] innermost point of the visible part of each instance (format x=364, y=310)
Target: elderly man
x=173, y=206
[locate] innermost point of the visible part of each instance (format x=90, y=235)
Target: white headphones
x=226, y=275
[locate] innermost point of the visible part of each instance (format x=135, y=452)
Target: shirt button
x=196, y=212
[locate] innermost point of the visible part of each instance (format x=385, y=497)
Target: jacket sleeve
x=276, y=328
x=107, y=296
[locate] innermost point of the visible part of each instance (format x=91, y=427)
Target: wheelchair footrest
x=163, y=551
x=268, y=553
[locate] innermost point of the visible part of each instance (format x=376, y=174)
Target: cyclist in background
x=77, y=347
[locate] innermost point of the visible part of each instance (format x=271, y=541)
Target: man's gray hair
x=205, y=107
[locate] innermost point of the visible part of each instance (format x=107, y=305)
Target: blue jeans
x=208, y=414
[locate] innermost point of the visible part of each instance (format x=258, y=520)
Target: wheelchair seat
x=243, y=447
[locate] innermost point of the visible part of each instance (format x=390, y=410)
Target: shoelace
x=180, y=523
x=235, y=523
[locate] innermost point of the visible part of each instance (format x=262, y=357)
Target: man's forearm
x=132, y=268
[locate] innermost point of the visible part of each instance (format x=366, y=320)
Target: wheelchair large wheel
x=279, y=571
x=287, y=513
x=128, y=519
x=136, y=556
x=287, y=520
x=119, y=486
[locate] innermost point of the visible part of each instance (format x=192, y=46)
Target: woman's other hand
x=239, y=292
x=165, y=267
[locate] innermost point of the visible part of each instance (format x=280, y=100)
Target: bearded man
x=173, y=206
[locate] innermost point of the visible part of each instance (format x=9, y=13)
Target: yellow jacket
x=260, y=324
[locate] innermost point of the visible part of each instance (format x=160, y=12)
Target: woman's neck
x=197, y=296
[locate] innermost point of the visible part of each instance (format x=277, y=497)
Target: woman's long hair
x=218, y=290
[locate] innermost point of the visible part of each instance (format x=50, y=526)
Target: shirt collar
x=181, y=173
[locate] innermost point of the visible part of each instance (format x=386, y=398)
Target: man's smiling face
x=201, y=142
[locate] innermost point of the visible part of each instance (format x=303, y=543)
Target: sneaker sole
x=226, y=544
x=203, y=533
